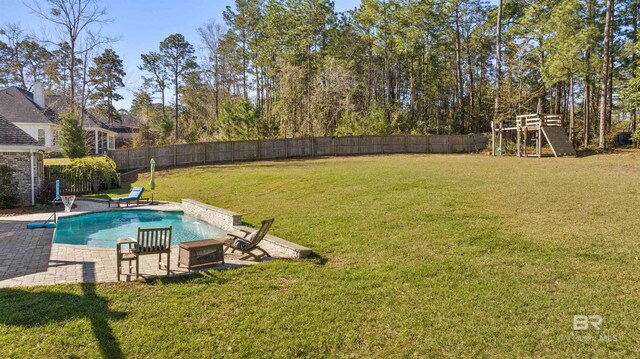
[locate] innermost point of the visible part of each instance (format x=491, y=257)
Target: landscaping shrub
x=46, y=192
x=101, y=170
x=8, y=187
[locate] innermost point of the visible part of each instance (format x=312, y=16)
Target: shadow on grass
x=593, y=151
x=317, y=259
x=28, y=309
x=210, y=276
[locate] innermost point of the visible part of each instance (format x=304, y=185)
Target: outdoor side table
x=200, y=253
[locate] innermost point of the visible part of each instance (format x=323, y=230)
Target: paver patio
x=28, y=257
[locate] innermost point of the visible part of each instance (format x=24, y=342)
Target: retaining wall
x=232, y=221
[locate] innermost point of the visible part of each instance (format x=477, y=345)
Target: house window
x=112, y=142
x=99, y=142
x=54, y=137
x=103, y=142
x=40, y=137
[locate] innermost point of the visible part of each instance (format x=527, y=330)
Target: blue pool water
x=104, y=228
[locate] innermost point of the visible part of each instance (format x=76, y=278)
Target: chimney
x=38, y=93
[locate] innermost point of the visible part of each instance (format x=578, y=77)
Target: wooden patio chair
x=250, y=244
x=152, y=241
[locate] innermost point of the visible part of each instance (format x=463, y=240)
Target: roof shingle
x=61, y=104
x=10, y=134
x=17, y=106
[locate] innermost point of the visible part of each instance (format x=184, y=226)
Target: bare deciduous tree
x=74, y=17
x=211, y=35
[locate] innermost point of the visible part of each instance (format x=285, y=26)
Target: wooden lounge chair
x=251, y=245
x=149, y=241
x=134, y=195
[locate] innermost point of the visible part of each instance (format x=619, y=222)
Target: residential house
x=100, y=136
x=30, y=114
x=38, y=115
x=23, y=153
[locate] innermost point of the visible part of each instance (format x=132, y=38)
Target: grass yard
x=417, y=256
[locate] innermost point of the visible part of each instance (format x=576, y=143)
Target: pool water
x=104, y=228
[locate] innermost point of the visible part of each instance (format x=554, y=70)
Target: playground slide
x=559, y=141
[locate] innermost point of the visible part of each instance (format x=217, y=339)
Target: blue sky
x=140, y=25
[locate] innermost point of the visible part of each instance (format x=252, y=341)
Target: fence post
x=204, y=152
x=128, y=159
x=406, y=143
x=335, y=146
x=147, y=157
x=286, y=148
x=175, y=156
x=310, y=146
x=493, y=138
x=359, y=146
x=382, y=142
x=259, y=149
x=232, y=149
x=449, y=144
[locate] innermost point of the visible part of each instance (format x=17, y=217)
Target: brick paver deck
x=28, y=257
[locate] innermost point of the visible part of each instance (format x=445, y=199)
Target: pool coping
x=79, y=214
x=131, y=209
x=61, y=215
x=232, y=222
x=219, y=217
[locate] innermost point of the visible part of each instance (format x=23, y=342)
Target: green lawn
x=417, y=256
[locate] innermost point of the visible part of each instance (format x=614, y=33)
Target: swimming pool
x=103, y=229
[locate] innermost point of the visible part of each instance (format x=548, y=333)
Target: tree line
x=292, y=68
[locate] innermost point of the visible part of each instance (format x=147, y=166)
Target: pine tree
x=72, y=136
x=152, y=63
x=604, y=76
x=107, y=76
x=179, y=60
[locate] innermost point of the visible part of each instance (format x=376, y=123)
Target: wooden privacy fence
x=71, y=182
x=251, y=150
x=76, y=181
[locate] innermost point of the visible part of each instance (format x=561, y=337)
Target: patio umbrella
x=152, y=181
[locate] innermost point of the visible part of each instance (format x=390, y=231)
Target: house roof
x=60, y=103
x=10, y=134
x=127, y=123
x=17, y=106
